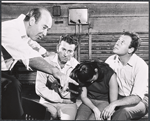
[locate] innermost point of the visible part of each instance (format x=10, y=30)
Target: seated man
x=132, y=77
x=56, y=100
x=99, y=88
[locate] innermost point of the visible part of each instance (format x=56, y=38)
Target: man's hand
x=64, y=81
x=97, y=113
x=108, y=111
x=145, y=101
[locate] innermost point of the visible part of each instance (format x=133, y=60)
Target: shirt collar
x=55, y=59
x=21, y=25
x=116, y=58
x=130, y=62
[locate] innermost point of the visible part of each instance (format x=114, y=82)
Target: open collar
x=55, y=59
x=130, y=62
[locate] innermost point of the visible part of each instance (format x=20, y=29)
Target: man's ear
x=32, y=21
x=130, y=50
x=57, y=47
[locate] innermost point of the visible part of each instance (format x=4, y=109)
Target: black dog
x=86, y=73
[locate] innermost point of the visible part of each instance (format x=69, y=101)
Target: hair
x=36, y=13
x=85, y=71
x=70, y=39
x=136, y=40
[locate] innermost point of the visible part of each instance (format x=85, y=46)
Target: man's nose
x=66, y=53
x=117, y=43
x=45, y=32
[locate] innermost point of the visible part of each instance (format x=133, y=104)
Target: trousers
x=61, y=111
x=11, y=97
x=130, y=112
x=85, y=113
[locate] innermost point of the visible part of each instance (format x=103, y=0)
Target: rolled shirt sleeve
x=141, y=80
x=43, y=91
x=132, y=78
x=17, y=47
x=37, y=46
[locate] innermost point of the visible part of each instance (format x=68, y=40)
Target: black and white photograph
x=75, y=60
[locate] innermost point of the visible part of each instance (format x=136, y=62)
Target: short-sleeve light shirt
x=15, y=41
x=133, y=77
x=41, y=79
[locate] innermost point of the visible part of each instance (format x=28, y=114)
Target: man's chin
x=114, y=51
x=35, y=38
x=63, y=62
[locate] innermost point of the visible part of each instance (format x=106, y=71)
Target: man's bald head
x=37, y=13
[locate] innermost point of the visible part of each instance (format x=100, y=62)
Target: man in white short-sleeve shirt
x=132, y=78
x=59, y=101
x=15, y=37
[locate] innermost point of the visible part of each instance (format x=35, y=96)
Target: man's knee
x=121, y=114
x=54, y=113
x=15, y=84
x=10, y=84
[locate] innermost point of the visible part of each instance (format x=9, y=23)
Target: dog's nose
x=72, y=75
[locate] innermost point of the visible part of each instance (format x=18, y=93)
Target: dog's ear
x=83, y=69
x=95, y=76
x=73, y=73
x=73, y=87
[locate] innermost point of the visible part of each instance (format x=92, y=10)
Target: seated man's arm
x=40, y=64
x=139, y=87
x=43, y=91
x=146, y=101
x=129, y=100
x=110, y=109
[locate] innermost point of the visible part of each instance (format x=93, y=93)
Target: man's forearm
x=88, y=102
x=129, y=100
x=40, y=64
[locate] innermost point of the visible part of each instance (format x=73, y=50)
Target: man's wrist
x=94, y=109
x=114, y=104
x=42, y=51
x=61, y=100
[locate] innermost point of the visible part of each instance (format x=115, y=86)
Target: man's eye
x=63, y=49
x=122, y=42
x=48, y=29
x=70, y=51
x=44, y=27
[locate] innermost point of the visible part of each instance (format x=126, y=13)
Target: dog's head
x=86, y=73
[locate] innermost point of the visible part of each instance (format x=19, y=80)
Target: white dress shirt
x=15, y=41
x=42, y=90
x=133, y=77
